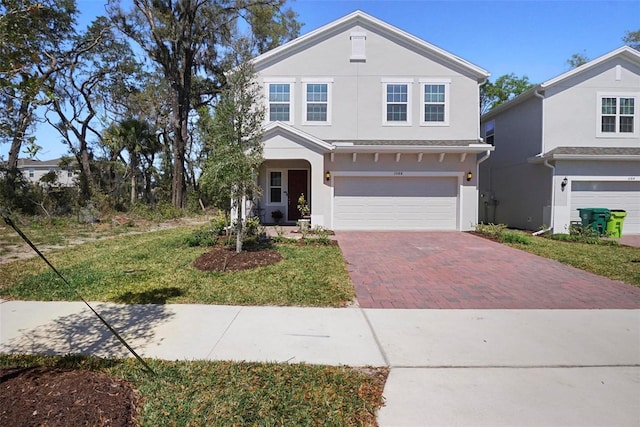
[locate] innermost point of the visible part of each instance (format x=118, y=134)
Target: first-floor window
x=32, y=172
x=617, y=115
x=275, y=187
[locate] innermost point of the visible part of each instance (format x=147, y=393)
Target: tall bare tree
x=185, y=38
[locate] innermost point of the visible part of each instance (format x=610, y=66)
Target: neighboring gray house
x=379, y=130
x=34, y=170
x=570, y=142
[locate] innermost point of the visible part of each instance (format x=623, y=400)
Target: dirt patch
x=222, y=258
x=42, y=396
x=101, y=231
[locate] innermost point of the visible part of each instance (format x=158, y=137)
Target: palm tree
x=137, y=138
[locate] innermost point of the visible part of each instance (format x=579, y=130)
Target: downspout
x=547, y=164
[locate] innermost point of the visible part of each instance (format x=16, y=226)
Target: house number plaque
x=397, y=173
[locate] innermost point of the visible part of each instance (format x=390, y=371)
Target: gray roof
x=594, y=151
x=40, y=163
x=396, y=142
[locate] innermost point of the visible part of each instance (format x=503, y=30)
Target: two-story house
x=568, y=143
x=376, y=127
x=34, y=170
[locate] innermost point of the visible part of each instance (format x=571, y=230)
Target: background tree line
x=124, y=94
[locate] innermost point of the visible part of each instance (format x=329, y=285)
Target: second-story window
x=489, y=132
x=280, y=102
x=396, y=101
x=617, y=115
x=317, y=101
x=435, y=102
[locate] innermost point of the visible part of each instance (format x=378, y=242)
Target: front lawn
x=601, y=257
x=202, y=393
x=156, y=267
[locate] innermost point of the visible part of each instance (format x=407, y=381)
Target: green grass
x=156, y=267
x=613, y=261
x=228, y=393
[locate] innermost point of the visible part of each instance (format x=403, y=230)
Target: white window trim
x=308, y=81
x=281, y=80
x=617, y=133
x=447, y=100
x=282, y=189
x=396, y=81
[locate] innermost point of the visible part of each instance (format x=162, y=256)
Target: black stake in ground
x=11, y=224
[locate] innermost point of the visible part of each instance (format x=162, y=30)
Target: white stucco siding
x=395, y=203
x=572, y=112
x=357, y=88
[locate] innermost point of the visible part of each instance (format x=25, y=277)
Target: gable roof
x=358, y=17
x=625, y=52
x=274, y=127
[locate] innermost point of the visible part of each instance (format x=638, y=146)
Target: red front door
x=297, y=183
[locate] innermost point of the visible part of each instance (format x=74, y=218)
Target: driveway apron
x=430, y=270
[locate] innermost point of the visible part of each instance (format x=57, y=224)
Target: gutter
x=547, y=164
x=553, y=199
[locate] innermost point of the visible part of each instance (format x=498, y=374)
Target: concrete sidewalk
x=448, y=367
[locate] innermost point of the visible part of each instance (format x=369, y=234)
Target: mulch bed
x=222, y=258
x=43, y=396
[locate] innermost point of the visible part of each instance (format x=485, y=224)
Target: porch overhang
x=599, y=154
x=293, y=133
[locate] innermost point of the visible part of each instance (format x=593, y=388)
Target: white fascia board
x=273, y=126
x=474, y=148
x=363, y=18
x=629, y=53
x=583, y=157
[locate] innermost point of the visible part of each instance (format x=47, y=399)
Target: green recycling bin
x=614, y=225
x=596, y=218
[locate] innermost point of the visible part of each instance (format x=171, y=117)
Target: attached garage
x=395, y=203
x=623, y=195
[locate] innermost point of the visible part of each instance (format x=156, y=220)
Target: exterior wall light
x=564, y=183
x=469, y=176
x=327, y=176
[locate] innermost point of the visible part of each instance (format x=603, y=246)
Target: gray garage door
x=611, y=195
x=395, y=203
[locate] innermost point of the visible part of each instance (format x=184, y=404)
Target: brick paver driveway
x=459, y=270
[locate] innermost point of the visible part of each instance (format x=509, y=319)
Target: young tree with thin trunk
x=233, y=138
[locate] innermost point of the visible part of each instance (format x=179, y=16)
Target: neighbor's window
x=32, y=172
x=617, y=115
x=397, y=103
x=280, y=102
x=489, y=132
x=275, y=187
x=317, y=102
x=435, y=102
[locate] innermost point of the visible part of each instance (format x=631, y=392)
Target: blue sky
x=532, y=38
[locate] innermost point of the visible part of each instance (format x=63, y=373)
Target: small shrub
x=515, y=237
x=218, y=225
x=320, y=231
x=202, y=237
x=494, y=230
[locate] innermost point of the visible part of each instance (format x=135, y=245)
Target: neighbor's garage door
x=611, y=195
x=395, y=203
